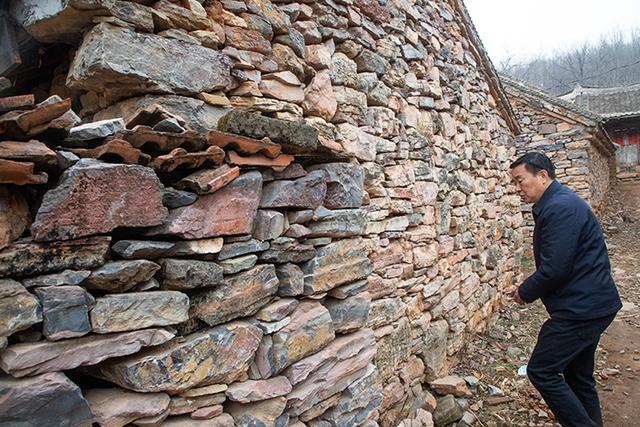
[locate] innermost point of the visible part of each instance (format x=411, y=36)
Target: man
x=573, y=280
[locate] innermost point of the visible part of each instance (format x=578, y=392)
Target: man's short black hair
x=534, y=162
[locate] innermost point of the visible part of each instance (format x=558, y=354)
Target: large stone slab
x=230, y=210
x=122, y=63
x=14, y=215
x=345, y=183
x=186, y=274
x=252, y=391
x=131, y=311
x=94, y=197
x=120, y=276
x=349, y=314
x=64, y=278
x=35, y=358
x=18, y=308
x=239, y=296
x=329, y=371
x=294, y=137
x=310, y=330
x=26, y=259
x=340, y=223
x=116, y=407
x=218, y=355
x=65, y=311
x=307, y=192
x=36, y=401
x=57, y=21
x=336, y=264
x=358, y=400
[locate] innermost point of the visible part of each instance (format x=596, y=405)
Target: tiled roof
x=537, y=92
x=609, y=102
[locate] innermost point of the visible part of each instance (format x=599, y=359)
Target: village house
x=619, y=108
x=573, y=137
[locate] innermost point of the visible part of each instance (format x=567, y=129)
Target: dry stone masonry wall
x=262, y=214
x=583, y=154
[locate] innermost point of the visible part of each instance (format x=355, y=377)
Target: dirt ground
x=504, y=398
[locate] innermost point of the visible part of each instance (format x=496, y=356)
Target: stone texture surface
x=344, y=185
x=252, y=391
x=35, y=358
x=65, y=311
x=259, y=413
x=14, y=215
x=25, y=259
x=115, y=59
x=117, y=407
x=64, y=278
x=109, y=201
x=307, y=192
x=131, y=311
x=120, y=276
x=292, y=137
x=336, y=264
x=310, y=329
x=19, y=308
x=349, y=314
x=39, y=399
x=330, y=371
x=213, y=356
x=187, y=274
x=238, y=296
x=228, y=211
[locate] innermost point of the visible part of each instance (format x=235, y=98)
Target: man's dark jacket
x=573, y=274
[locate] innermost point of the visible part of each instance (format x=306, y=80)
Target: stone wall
x=581, y=151
x=274, y=213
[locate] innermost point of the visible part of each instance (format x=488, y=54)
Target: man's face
x=530, y=186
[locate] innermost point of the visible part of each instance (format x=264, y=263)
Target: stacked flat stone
x=283, y=214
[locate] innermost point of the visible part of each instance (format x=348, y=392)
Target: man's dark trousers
x=561, y=368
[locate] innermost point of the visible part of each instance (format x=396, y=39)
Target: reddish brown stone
x=252, y=391
x=282, y=161
x=209, y=181
x=245, y=145
x=117, y=407
x=319, y=99
x=180, y=158
x=20, y=102
x=373, y=10
x=94, y=198
x=230, y=210
x=44, y=112
x=147, y=139
x=246, y=39
x=20, y=173
x=207, y=412
x=31, y=151
x=38, y=357
x=117, y=149
x=14, y=215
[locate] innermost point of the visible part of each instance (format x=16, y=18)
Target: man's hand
x=517, y=298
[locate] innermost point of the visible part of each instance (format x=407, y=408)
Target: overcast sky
x=523, y=29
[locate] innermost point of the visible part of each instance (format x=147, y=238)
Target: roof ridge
x=536, y=91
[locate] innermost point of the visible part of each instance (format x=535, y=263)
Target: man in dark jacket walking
x=573, y=280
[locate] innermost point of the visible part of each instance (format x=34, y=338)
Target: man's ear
x=544, y=173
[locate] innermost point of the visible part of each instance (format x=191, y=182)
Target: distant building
x=574, y=138
x=620, y=109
